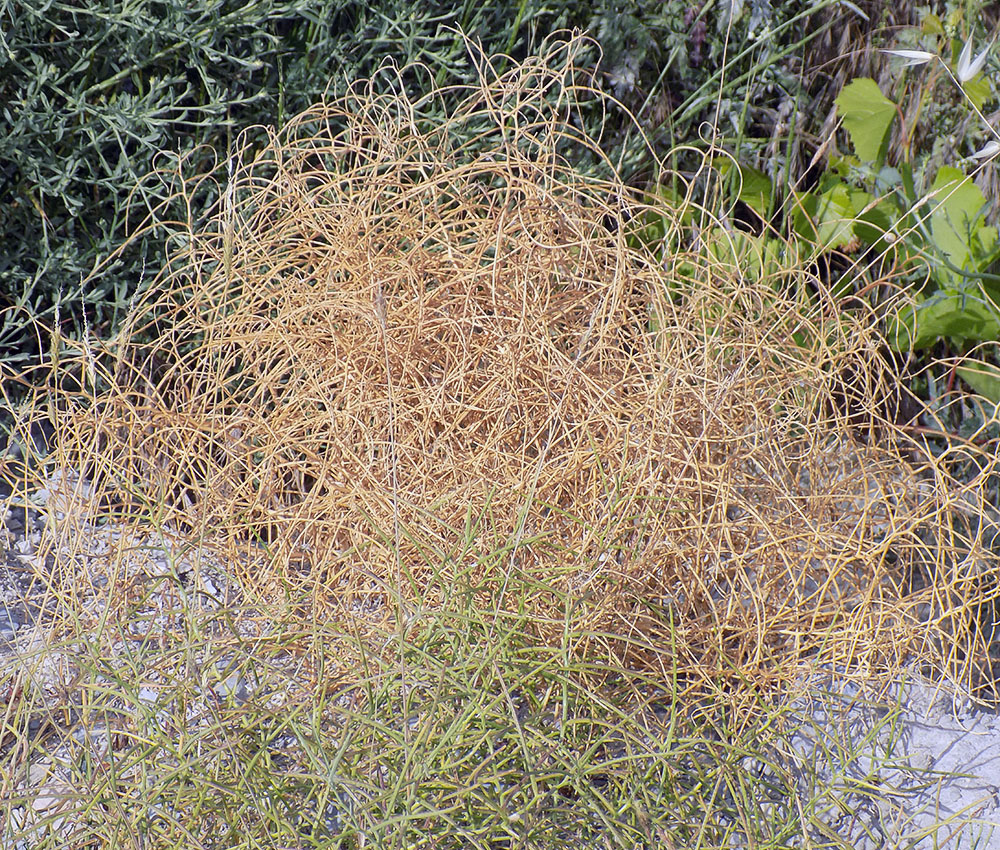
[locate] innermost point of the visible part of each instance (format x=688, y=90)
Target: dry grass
x=395, y=381
x=390, y=365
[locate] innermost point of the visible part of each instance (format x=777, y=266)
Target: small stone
x=234, y=687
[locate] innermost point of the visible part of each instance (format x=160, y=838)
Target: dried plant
x=491, y=477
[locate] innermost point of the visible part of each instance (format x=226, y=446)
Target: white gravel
x=912, y=768
x=915, y=768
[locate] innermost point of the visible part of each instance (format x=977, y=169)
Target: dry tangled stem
x=395, y=368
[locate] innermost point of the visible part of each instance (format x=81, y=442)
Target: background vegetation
x=103, y=101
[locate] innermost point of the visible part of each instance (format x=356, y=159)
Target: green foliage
x=867, y=115
x=93, y=94
x=945, y=228
x=901, y=204
x=98, y=97
x=926, y=217
x=984, y=378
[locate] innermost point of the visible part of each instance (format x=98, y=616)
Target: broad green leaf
x=867, y=115
x=757, y=257
x=756, y=190
x=872, y=225
x=962, y=317
x=978, y=90
x=984, y=247
x=984, y=378
x=887, y=179
x=665, y=210
x=931, y=25
x=956, y=221
x=842, y=165
x=829, y=218
x=755, y=187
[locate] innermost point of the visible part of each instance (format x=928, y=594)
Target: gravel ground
x=912, y=767
x=882, y=770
